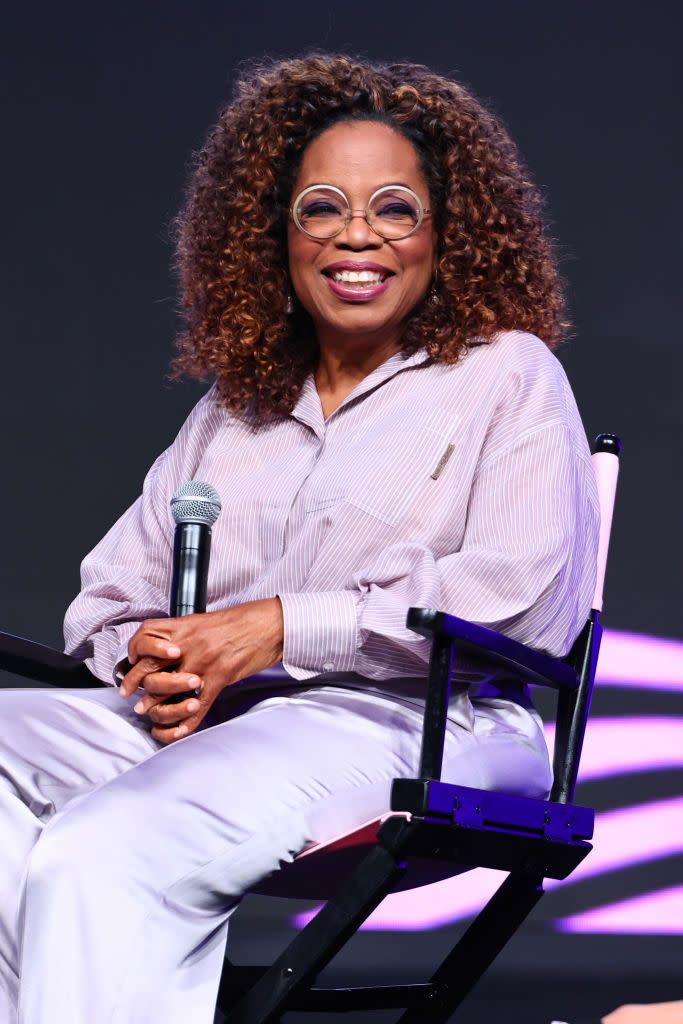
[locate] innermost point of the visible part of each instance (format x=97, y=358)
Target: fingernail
x=139, y=707
x=193, y=705
x=173, y=652
x=194, y=681
x=181, y=730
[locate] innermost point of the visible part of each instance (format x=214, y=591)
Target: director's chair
x=432, y=830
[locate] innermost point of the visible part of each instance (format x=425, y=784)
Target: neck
x=344, y=361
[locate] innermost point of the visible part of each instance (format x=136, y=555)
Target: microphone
x=195, y=507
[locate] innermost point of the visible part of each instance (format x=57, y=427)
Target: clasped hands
x=208, y=652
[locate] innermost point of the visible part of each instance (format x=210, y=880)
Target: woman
x=365, y=276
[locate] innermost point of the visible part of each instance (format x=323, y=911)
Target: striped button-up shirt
x=468, y=488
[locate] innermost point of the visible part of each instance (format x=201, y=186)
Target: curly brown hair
x=496, y=265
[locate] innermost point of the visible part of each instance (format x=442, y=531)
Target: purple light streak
x=655, y=913
x=634, y=659
x=615, y=746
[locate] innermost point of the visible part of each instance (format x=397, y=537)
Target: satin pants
x=121, y=859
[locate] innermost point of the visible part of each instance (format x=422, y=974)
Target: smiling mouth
x=358, y=280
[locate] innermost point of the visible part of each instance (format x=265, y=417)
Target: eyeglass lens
x=322, y=213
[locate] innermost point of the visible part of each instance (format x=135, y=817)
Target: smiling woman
x=354, y=128
x=365, y=276
x=358, y=305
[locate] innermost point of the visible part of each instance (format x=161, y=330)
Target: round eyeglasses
x=393, y=211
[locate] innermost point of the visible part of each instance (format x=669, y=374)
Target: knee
x=114, y=835
x=223, y=879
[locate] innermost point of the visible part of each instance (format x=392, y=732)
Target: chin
x=357, y=324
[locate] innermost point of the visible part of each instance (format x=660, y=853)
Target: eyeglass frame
x=423, y=211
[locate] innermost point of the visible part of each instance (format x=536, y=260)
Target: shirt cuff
x=109, y=660
x=320, y=632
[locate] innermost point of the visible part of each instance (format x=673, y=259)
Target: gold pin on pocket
x=443, y=460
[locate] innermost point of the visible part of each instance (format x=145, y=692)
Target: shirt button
x=328, y=666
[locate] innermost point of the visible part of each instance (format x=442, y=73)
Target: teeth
x=357, y=277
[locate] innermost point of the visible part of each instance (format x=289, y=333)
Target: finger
x=172, y=714
x=135, y=676
x=160, y=685
x=171, y=733
x=177, y=732
x=160, y=627
x=181, y=685
x=144, y=645
x=193, y=720
x=168, y=734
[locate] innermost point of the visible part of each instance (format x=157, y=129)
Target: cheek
x=418, y=261
x=301, y=253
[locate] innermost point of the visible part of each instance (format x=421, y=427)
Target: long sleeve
x=526, y=568
x=526, y=565
x=126, y=578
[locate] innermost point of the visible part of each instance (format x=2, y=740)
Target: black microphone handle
x=191, y=550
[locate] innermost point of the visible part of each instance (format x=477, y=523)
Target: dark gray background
x=105, y=103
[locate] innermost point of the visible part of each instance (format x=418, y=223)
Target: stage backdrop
x=105, y=104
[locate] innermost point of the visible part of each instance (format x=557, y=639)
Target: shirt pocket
x=394, y=468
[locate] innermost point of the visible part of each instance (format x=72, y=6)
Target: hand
x=652, y=1013
x=208, y=651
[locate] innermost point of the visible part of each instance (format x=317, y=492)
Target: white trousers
x=122, y=859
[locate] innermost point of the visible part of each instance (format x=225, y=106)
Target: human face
x=359, y=158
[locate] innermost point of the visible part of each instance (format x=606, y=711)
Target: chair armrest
x=43, y=664
x=494, y=648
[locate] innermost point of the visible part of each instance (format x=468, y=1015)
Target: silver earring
x=289, y=308
x=433, y=297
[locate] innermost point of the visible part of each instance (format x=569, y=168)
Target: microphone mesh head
x=196, y=502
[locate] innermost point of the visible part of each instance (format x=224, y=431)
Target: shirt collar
x=308, y=409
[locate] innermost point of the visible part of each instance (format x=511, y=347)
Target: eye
x=395, y=208
x=320, y=207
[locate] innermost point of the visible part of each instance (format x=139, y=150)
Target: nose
x=358, y=234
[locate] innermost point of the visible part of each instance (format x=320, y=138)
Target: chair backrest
x=573, y=706
x=606, y=466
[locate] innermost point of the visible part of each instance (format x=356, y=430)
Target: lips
x=351, y=293
x=357, y=266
